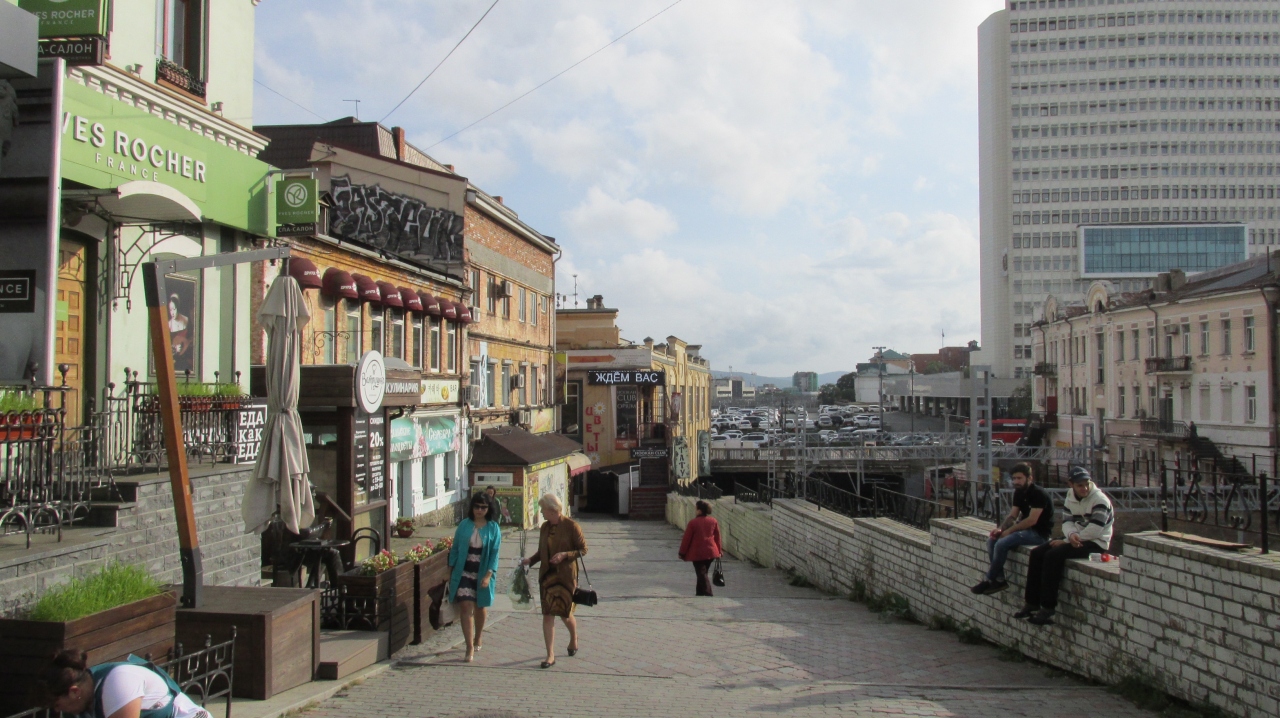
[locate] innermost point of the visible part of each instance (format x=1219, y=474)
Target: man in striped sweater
x=1086, y=528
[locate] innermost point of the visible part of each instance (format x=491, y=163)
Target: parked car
x=760, y=439
x=733, y=434
x=824, y=420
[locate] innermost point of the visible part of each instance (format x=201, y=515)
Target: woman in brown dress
x=560, y=543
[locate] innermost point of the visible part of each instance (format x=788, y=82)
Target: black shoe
x=573, y=652
x=981, y=588
x=1026, y=612
x=1043, y=617
x=548, y=664
x=995, y=587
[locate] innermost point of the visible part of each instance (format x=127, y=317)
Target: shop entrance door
x=72, y=311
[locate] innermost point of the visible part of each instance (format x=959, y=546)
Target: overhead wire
x=442, y=60
x=295, y=102
x=558, y=74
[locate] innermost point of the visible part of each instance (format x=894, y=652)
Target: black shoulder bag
x=584, y=596
x=717, y=576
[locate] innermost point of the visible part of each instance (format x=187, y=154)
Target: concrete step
x=345, y=652
x=107, y=513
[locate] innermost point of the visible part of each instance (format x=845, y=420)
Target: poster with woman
x=183, y=324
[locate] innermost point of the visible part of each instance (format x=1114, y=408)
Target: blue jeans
x=999, y=550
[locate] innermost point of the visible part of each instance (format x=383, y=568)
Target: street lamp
x=911, y=365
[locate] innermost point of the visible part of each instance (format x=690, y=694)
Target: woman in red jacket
x=701, y=545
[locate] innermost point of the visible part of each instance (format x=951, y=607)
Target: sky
x=787, y=183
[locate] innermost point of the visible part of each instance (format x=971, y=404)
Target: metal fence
x=698, y=490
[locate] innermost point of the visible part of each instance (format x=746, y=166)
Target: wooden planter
x=143, y=628
x=393, y=590
x=430, y=578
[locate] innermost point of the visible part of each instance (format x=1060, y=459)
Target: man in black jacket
x=1029, y=523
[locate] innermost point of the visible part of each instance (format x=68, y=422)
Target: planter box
x=429, y=580
x=143, y=628
x=277, y=635
x=393, y=591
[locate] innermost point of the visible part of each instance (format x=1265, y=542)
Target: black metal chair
x=369, y=534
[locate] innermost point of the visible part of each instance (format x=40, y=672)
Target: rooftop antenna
x=357, y=108
x=575, y=291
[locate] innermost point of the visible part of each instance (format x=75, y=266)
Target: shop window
x=433, y=348
x=396, y=348
x=452, y=348
x=377, y=319
x=450, y=471
x=352, y=338
x=415, y=342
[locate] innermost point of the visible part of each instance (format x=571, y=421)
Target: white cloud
x=602, y=218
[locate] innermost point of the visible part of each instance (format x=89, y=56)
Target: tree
x=1020, y=401
x=841, y=392
x=828, y=394
x=936, y=367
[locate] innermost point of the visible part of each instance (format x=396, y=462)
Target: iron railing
x=698, y=490
x=910, y=510
x=1158, y=365
x=1168, y=429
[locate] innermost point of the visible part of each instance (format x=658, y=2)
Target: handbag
x=717, y=576
x=584, y=596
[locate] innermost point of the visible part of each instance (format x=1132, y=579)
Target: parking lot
x=857, y=425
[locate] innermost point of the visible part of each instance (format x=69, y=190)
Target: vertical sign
x=626, y=435
x=377, y=456
x=360, y=451
x=297, y=207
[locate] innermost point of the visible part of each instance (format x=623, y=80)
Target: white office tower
x=1120, y=139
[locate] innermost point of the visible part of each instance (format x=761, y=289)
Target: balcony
x=1046, y=369
x=179, y=77
x=1166, y=429
x=1168, y=365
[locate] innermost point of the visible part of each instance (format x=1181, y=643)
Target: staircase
x=649, y=503
x=1204, y=451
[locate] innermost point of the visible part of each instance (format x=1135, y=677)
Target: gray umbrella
x=280, y=475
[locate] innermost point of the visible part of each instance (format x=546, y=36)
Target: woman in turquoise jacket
x=474, y=559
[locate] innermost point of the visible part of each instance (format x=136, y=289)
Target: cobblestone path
x=650, y=648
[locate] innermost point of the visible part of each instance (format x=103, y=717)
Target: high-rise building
x=1120, y=139
x=805, y=381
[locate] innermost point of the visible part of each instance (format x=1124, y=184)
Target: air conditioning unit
x=506, y=289
x=477, y=432
x=517, y=381
x=471, y=394
x=526, y=418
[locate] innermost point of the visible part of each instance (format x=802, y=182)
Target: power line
x=308, y=109
x=558, y=74
x=437, y=67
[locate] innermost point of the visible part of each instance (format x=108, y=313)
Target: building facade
x=624, y=398
x=1184, y=371
x=805, y=381
x=1158, y=117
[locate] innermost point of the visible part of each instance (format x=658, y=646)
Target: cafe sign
x=439, y=391
x=68, y=18
x=371, y=381
x=640, y=377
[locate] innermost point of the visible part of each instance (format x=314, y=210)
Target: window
x=571, y=414
x=1248, y=334
x=433, y=347
x=1120, y=348
x=524, y=386
x=415, y=342
x=180, y=33
x=1137, y=400
x=505, y=388
x=1169, y=331
x=376, y=319
x=1204, y=338
x=329, y=308
x=397, y=334
x=1204, y=402
x=1227, y=401
x=1186, y=338
x=1226, y=336
x=352, y=331
x=535, y=307
x=1151, y=341
x=1101, y=340
x=533, y=385
x=1251, y=403
x=493, y=294
x=475, y=378
x=475, y=284
x=1136, y=352
x=523, y=303
x=1120, y=402
x=491, y=380
x=506, y=307
x=452, y=347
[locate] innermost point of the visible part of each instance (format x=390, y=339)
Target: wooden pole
x=171, y=418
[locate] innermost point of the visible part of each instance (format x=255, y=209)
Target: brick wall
x=1199, y=622
x=746, y=530
x=145, y=534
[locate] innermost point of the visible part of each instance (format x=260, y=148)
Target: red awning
x=430, y=304
x=410, y=299
x=449, y=308
x=368, y=289
x=390, y=295
x=304, y=270
x=338, y=284
x=464, y=314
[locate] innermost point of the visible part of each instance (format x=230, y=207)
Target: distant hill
x=781, y=381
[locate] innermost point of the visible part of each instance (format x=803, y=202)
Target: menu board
x=360, y=446
x=377, y=456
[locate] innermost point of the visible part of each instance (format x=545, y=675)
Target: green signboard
x=68, y=18
x=106, y=143
x=417, y=437
x=297, y=206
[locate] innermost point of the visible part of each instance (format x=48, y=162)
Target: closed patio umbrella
x=280, y=475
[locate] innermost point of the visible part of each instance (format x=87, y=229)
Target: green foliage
x=1009, y=654
x=194, y=389
x=115, y=585
x=936, y=367
x=859, y=592
x=1020, y=401
x=1145, y=693
x=942, y=623
x=14, y=400
x=228, y=389
x=799, y=581
x=891, y=604
x=841, y=392
x=968, y=633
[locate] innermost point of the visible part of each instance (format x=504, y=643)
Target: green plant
x=942, y=623
x=404, y=524
x=228, y=390
x=194, y=390
x=859, y=592
x=1009, y=654
x=418, y=553
x=384, y=560
x=115, y=585
x=968, y=633
x=890, y=603
x=14, y=400
x=799, y=581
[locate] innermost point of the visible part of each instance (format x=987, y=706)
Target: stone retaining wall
x=746, y=530
x=145, y=534
x=1199, y=622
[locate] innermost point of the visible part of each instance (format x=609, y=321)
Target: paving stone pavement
x=650, y=648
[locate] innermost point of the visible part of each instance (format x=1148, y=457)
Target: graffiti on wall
x=394, y=222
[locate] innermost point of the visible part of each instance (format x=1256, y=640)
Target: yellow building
x=633, y=404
